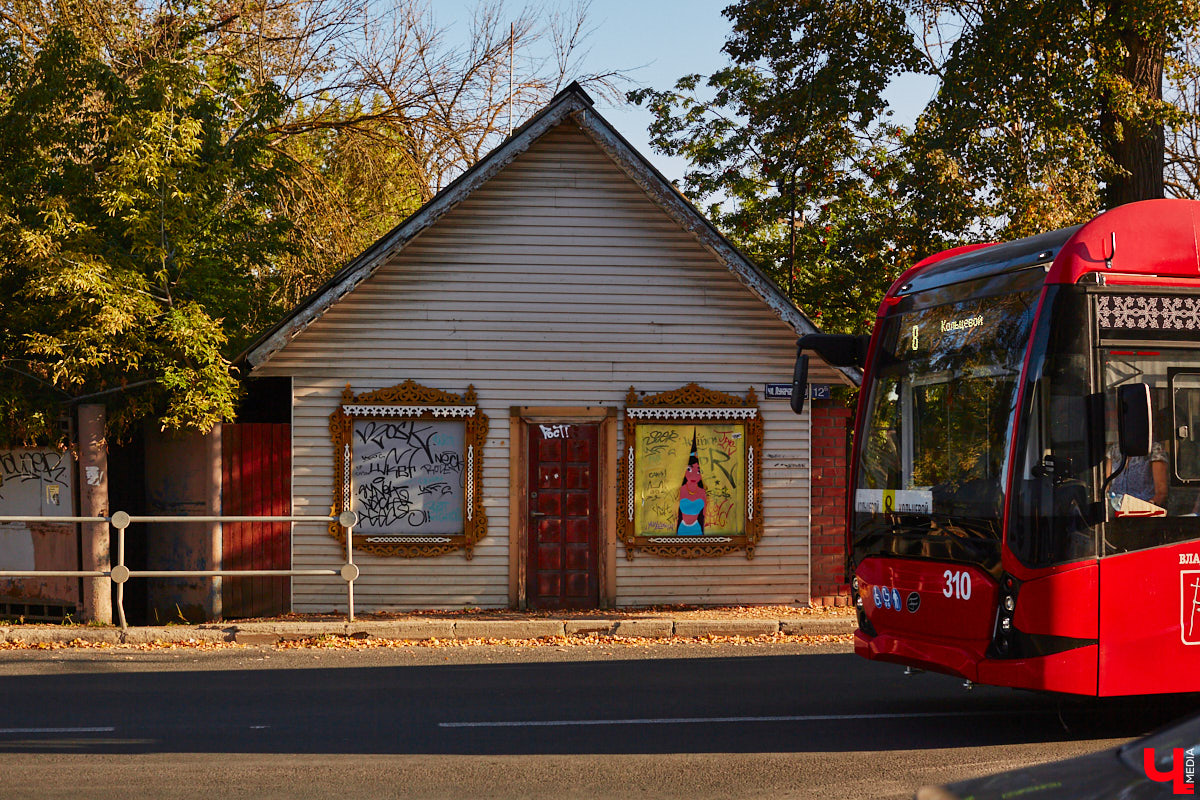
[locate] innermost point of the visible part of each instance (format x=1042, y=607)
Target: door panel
x=1149, y=614
x=564, y=529
x=256, y=481
x=1150, y=573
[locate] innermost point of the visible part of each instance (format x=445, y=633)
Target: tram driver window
x=1154, y=500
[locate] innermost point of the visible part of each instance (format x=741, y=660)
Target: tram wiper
x=969, y=527
x=893, y=526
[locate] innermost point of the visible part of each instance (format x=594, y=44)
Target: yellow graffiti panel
x=670, y=498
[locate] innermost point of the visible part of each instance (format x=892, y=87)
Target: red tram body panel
x=1014, y=517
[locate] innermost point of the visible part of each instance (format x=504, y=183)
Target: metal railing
x=119, y=573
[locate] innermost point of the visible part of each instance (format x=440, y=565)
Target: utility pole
x=93, y=502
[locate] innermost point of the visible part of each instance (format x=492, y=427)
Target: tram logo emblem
x=1189, y=606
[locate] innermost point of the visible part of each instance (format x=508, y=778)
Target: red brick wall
x=831, y=424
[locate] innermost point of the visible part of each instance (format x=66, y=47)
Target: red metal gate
x=564, y=529
x=256, y=463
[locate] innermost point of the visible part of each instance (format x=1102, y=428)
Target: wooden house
x=549, y=387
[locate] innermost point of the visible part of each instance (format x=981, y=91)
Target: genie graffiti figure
x=692, y=498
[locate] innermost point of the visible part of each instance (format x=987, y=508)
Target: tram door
x=1150, y=558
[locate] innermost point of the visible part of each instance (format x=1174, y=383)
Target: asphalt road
x=663, y=721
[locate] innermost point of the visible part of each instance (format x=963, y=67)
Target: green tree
x=1044, y=111
x=134, y=219
x=176, y=174
x=792, y=146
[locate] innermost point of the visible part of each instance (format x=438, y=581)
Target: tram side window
x=1185, y=403
x=1155, y=499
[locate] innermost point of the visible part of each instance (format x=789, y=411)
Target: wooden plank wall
x=558, y=283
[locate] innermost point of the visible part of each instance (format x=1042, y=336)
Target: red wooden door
x=564, y=525
x=256, y=463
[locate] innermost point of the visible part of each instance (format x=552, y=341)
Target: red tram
x=1025, y=484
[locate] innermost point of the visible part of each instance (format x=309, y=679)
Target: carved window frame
x=411, y=401
x=690, y=405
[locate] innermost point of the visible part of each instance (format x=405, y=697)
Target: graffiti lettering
x=720, y=459
x=383, y=504
x=721, y=511
x=33, y=465
x=556, y=431
x=409, y=475
x=662, y=436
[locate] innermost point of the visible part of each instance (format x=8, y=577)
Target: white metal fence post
x=347, y=520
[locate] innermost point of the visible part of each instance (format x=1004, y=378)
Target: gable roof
x=572, y=103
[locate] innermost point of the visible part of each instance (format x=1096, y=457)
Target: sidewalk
x=666, y=623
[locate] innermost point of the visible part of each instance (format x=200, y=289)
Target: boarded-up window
x=408, y=463
x=690, y=482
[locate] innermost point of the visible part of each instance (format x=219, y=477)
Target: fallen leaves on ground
x=685, y=612
x=590, y=640
x=356, y=643
x=81, y=644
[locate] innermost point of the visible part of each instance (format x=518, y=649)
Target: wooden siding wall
x=558, y=283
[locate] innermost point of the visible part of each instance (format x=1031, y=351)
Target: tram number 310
x=958, y=585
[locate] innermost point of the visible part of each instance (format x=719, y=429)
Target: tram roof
x=974, y=262
x=1157, y=240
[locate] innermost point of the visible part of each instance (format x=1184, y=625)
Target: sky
x=659, y=41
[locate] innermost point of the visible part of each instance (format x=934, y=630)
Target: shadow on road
x=771, y=704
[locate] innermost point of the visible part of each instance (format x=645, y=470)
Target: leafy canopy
x=136, y=213
x=1043, y=112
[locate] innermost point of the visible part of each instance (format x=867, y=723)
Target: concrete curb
x=270, y=633
x=726, y=627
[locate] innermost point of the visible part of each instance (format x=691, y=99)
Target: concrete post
x=93, y=502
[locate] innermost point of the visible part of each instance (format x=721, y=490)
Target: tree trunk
x=1137, y=147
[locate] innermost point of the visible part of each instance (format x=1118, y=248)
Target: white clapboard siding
x=556, y=283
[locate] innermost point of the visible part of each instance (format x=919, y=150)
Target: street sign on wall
x=783, y=391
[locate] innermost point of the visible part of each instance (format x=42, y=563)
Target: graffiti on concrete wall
x=37, y=483
x=46, y=467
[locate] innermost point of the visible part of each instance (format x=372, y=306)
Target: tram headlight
x=1006, y=624
x=1010, y=603
x=858, y=601
x=854, y=584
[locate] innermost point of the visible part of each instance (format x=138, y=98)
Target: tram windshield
x=939, y=415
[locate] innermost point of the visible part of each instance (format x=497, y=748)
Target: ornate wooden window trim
x=690, y=404
x=411, y=400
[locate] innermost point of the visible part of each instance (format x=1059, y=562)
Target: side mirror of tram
x=799, y=382
x=1135, y=419
x=835, y=349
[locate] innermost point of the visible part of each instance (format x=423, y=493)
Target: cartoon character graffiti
x=692, y=497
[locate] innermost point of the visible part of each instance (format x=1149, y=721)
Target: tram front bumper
x=933, y=656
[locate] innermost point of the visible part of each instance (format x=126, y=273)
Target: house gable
x=559, y=254
x=572, y=105
x=558, y=283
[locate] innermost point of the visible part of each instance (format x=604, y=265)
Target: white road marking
x=106, y=729
x=721, y=720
